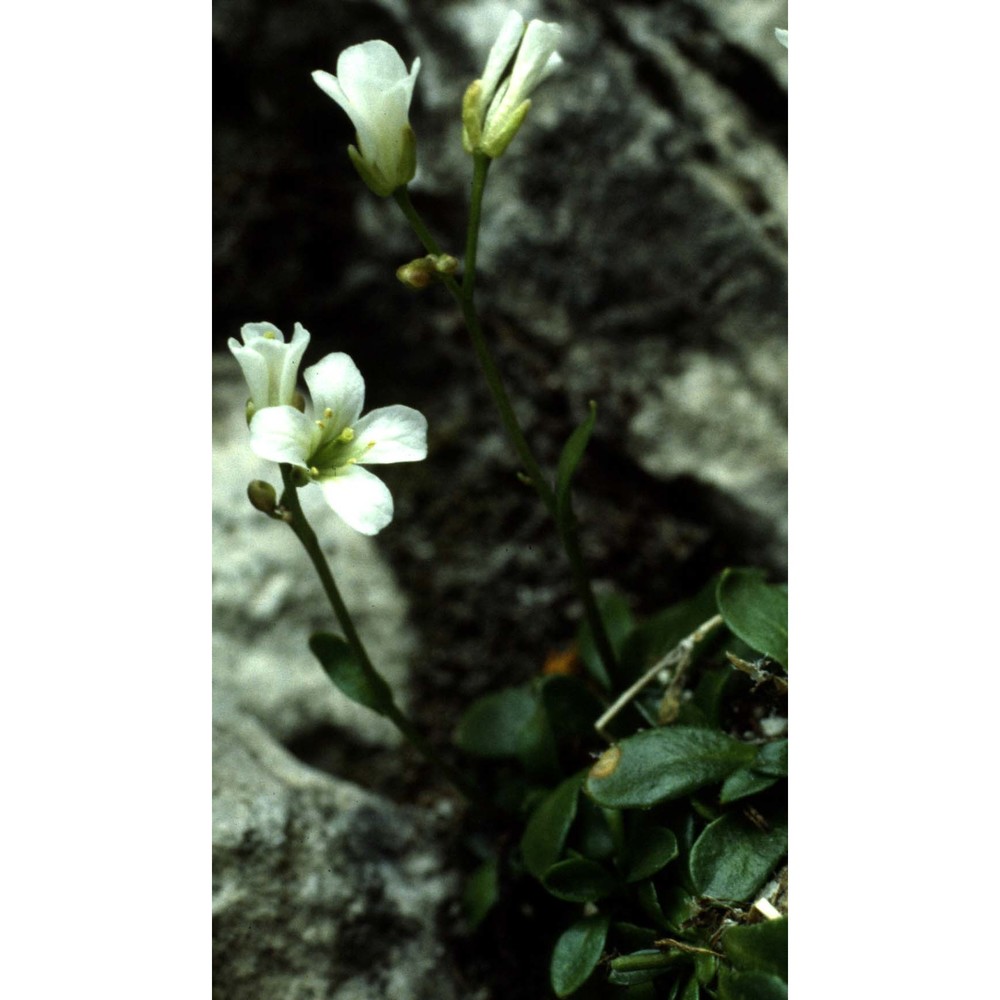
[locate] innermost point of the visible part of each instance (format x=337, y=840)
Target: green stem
x=296, y=520
x=465, y=296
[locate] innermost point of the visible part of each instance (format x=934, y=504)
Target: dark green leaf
x=732, y=857
x=593, y=835
x=705, y=967
x=577, y=953
x=677, y=907
x=660, y=764
x=642, y=966
x=493, y=725
x=750, y=986
x=650, y=903
x=618, y=623
x=660, y=634
x=708, y=694
x=649, y=850
x=537, y=749
x=545, y=834
x=481, y=893
x=571, y=706
x=578, y=880
x=772, y=758
x=759, y=947
x=756, y=612
x=631, y=937
x=349, y=675
x=570, y=458
x=746, y=781
x=691, y=990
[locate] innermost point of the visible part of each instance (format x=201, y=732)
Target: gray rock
x=320, y=891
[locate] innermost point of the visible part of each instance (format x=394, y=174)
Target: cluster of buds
x=421, y=272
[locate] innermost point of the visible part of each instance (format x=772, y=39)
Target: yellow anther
x=371, y=444
x=270, y=335
x=347, y=434
x=328, y=413
x=321, y=423
x=313, y=471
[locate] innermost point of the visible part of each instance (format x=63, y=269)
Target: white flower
x=782, y=35
x=269, y=364
x=494, y=108
x=333, y=447
x=374, y=88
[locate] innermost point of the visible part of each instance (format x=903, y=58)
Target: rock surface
x=320, y=891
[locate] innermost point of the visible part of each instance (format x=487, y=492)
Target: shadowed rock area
x=633, y=252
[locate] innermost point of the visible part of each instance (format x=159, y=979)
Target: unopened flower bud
x=417, y=273
x=421, y=272
x=263, y=496
x=444, y=263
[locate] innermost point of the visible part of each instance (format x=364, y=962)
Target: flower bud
x=494, y=107
x=421, y=272
x=263, y=497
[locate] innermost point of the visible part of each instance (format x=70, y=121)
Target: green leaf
x=348, y=674
x=658, y=635
x=618, y=623
x=593, y=836
x=642, y=966
x=650, y=903
x=759, y=947
x=746, y=781
x=577, y=953
x=571, y=706
x=537, y=749
x=545, y=833
x=756, y=612
x=578, y=880
x=660, y=764
x=750, y=986
x=482, y=890
x=632, y=937
x=772, y=758
x=493, y=725
x=690, y=991
x=568, y=461
x=648, y=851
x=732, y=857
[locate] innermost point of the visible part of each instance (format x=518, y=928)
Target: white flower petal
x=253, y=331
x=360, y=499
x=390, y=434
x=500, y=55
x=782, y=35
x=269, y=365
x=283, y=434
x=255, y=371
x=373, y=86
x=336, y=384
x=540, y=41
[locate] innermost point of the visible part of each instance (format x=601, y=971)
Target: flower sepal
x=370, y=172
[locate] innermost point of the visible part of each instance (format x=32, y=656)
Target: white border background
x=106, y=735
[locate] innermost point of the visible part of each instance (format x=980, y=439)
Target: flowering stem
x=465, y=297
x=296, y=520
